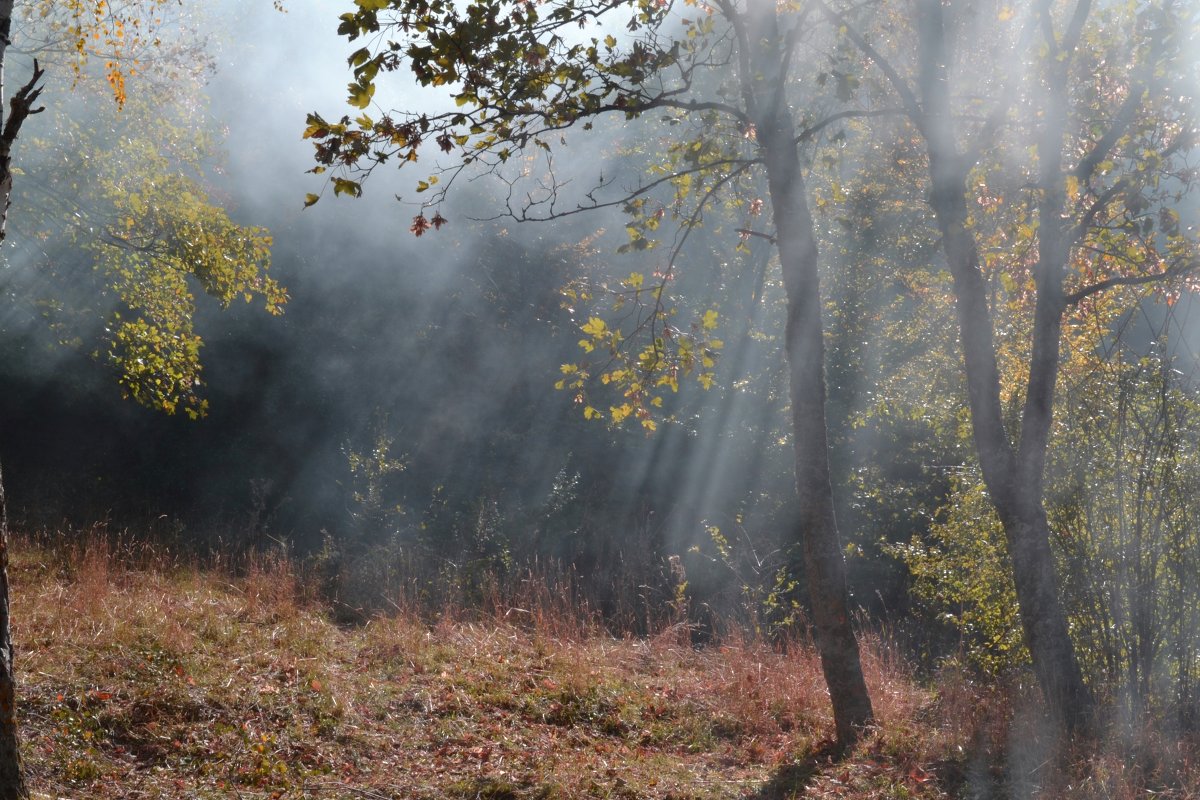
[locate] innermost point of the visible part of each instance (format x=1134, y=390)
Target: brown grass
x=142, y=676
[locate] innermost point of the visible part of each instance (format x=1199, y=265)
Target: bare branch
x=22, y=105
x=748, y=233
x=739, y=165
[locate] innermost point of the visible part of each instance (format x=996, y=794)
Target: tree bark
x=6, y=9
x=21, y=107
x=1015, y=485
x=805, y=347
x=1014, y=477
x=818, y=531
x=12, y=781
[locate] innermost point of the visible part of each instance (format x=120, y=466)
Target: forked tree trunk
x=824, y=563
x=1014, y=478
x=6, y=10
x=1014, y=489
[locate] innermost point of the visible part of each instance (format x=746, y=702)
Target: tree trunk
x=6, y=10
x=1013, y=479
x=12, y=783
x=818, y=532
x=1016, y=492
x=805, y=347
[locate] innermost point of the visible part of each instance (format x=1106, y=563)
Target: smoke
x=453, y=342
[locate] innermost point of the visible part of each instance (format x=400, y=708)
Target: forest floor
x=144, y=678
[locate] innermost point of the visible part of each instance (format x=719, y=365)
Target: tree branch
x=1121, y=122
x=909, y=100
x=22, y=104
x=22, y=107
x=813, y=130
x=748, y=233
x=1130, y=280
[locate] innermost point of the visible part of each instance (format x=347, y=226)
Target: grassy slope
x=140, y=679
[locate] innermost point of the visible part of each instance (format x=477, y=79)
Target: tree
x=150, y=227
x=521, y=74
x=1096, y=192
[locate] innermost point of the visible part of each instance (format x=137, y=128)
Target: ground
x=142, y=677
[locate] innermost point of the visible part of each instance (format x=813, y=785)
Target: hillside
x=145, y=677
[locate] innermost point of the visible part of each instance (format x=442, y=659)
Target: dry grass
x=143, y=677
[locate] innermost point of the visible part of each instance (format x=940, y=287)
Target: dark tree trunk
x=6, y=10
x=12, y=783
x=805, y=346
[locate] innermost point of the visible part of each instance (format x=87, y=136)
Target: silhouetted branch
x=813, y=130
x=1130, y=280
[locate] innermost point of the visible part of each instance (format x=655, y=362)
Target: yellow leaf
x=620, y=413
x=710, y=320
x=360, y=96
x=594, y=327
x=1072, y=187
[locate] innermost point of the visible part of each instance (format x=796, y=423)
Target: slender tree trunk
x=823, y=559
x=1014, y=485
x=805, y=346
x=6, y=9
x=1016, y=492
x=12, y=782
x=1014, y=477
x=21, y=106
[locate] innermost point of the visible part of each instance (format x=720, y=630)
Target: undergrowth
x=142, y=675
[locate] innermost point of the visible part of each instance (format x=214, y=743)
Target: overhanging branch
x=1130, y=280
